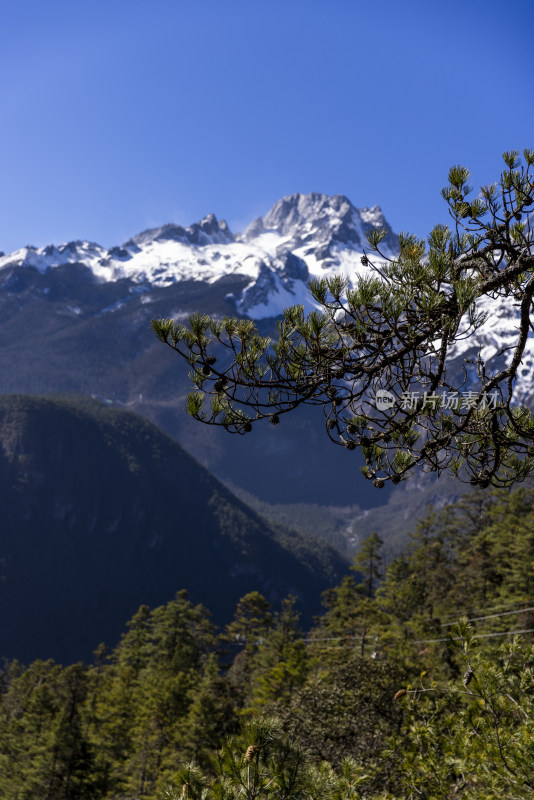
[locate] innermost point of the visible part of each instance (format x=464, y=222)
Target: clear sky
x=120, y=115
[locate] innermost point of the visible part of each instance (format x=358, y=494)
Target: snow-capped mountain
x=301, y=237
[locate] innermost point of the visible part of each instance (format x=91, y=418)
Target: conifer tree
x=368, y=562
x=475, y=736
x=280, y=666
x=72, y=760
x=247, y=631
x=212, y=716
x=252, y=620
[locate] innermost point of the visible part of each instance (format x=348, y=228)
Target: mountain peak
x=321, y=220
x=291, y=213
x=208, y=231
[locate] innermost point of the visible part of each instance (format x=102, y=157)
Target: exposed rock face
x=208, y=231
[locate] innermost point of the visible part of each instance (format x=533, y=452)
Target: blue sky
x=116, y=116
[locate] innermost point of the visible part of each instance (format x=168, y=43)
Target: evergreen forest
x=417, y=681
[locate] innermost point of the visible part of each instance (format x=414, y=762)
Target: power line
x=329, y=638
x=475, y=636
x=495, y=607
x=424, y=641
x=490, y=616
x=357, y=637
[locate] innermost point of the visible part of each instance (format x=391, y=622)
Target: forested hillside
x=102, y=511
x=388, y=696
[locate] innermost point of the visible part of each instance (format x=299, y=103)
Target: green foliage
x=280, y=666
x=346, y=710
x=475, y=738
x=388, y=697
x=44, y=748
x=251, y=621
x=264, y=763
x=369, y=562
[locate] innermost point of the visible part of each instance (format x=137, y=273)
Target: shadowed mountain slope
x=102, y=511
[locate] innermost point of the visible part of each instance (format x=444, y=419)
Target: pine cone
x=364, y=260
x=275, y=419
x=468, y=677
x=350, y=445
x=251, y=752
